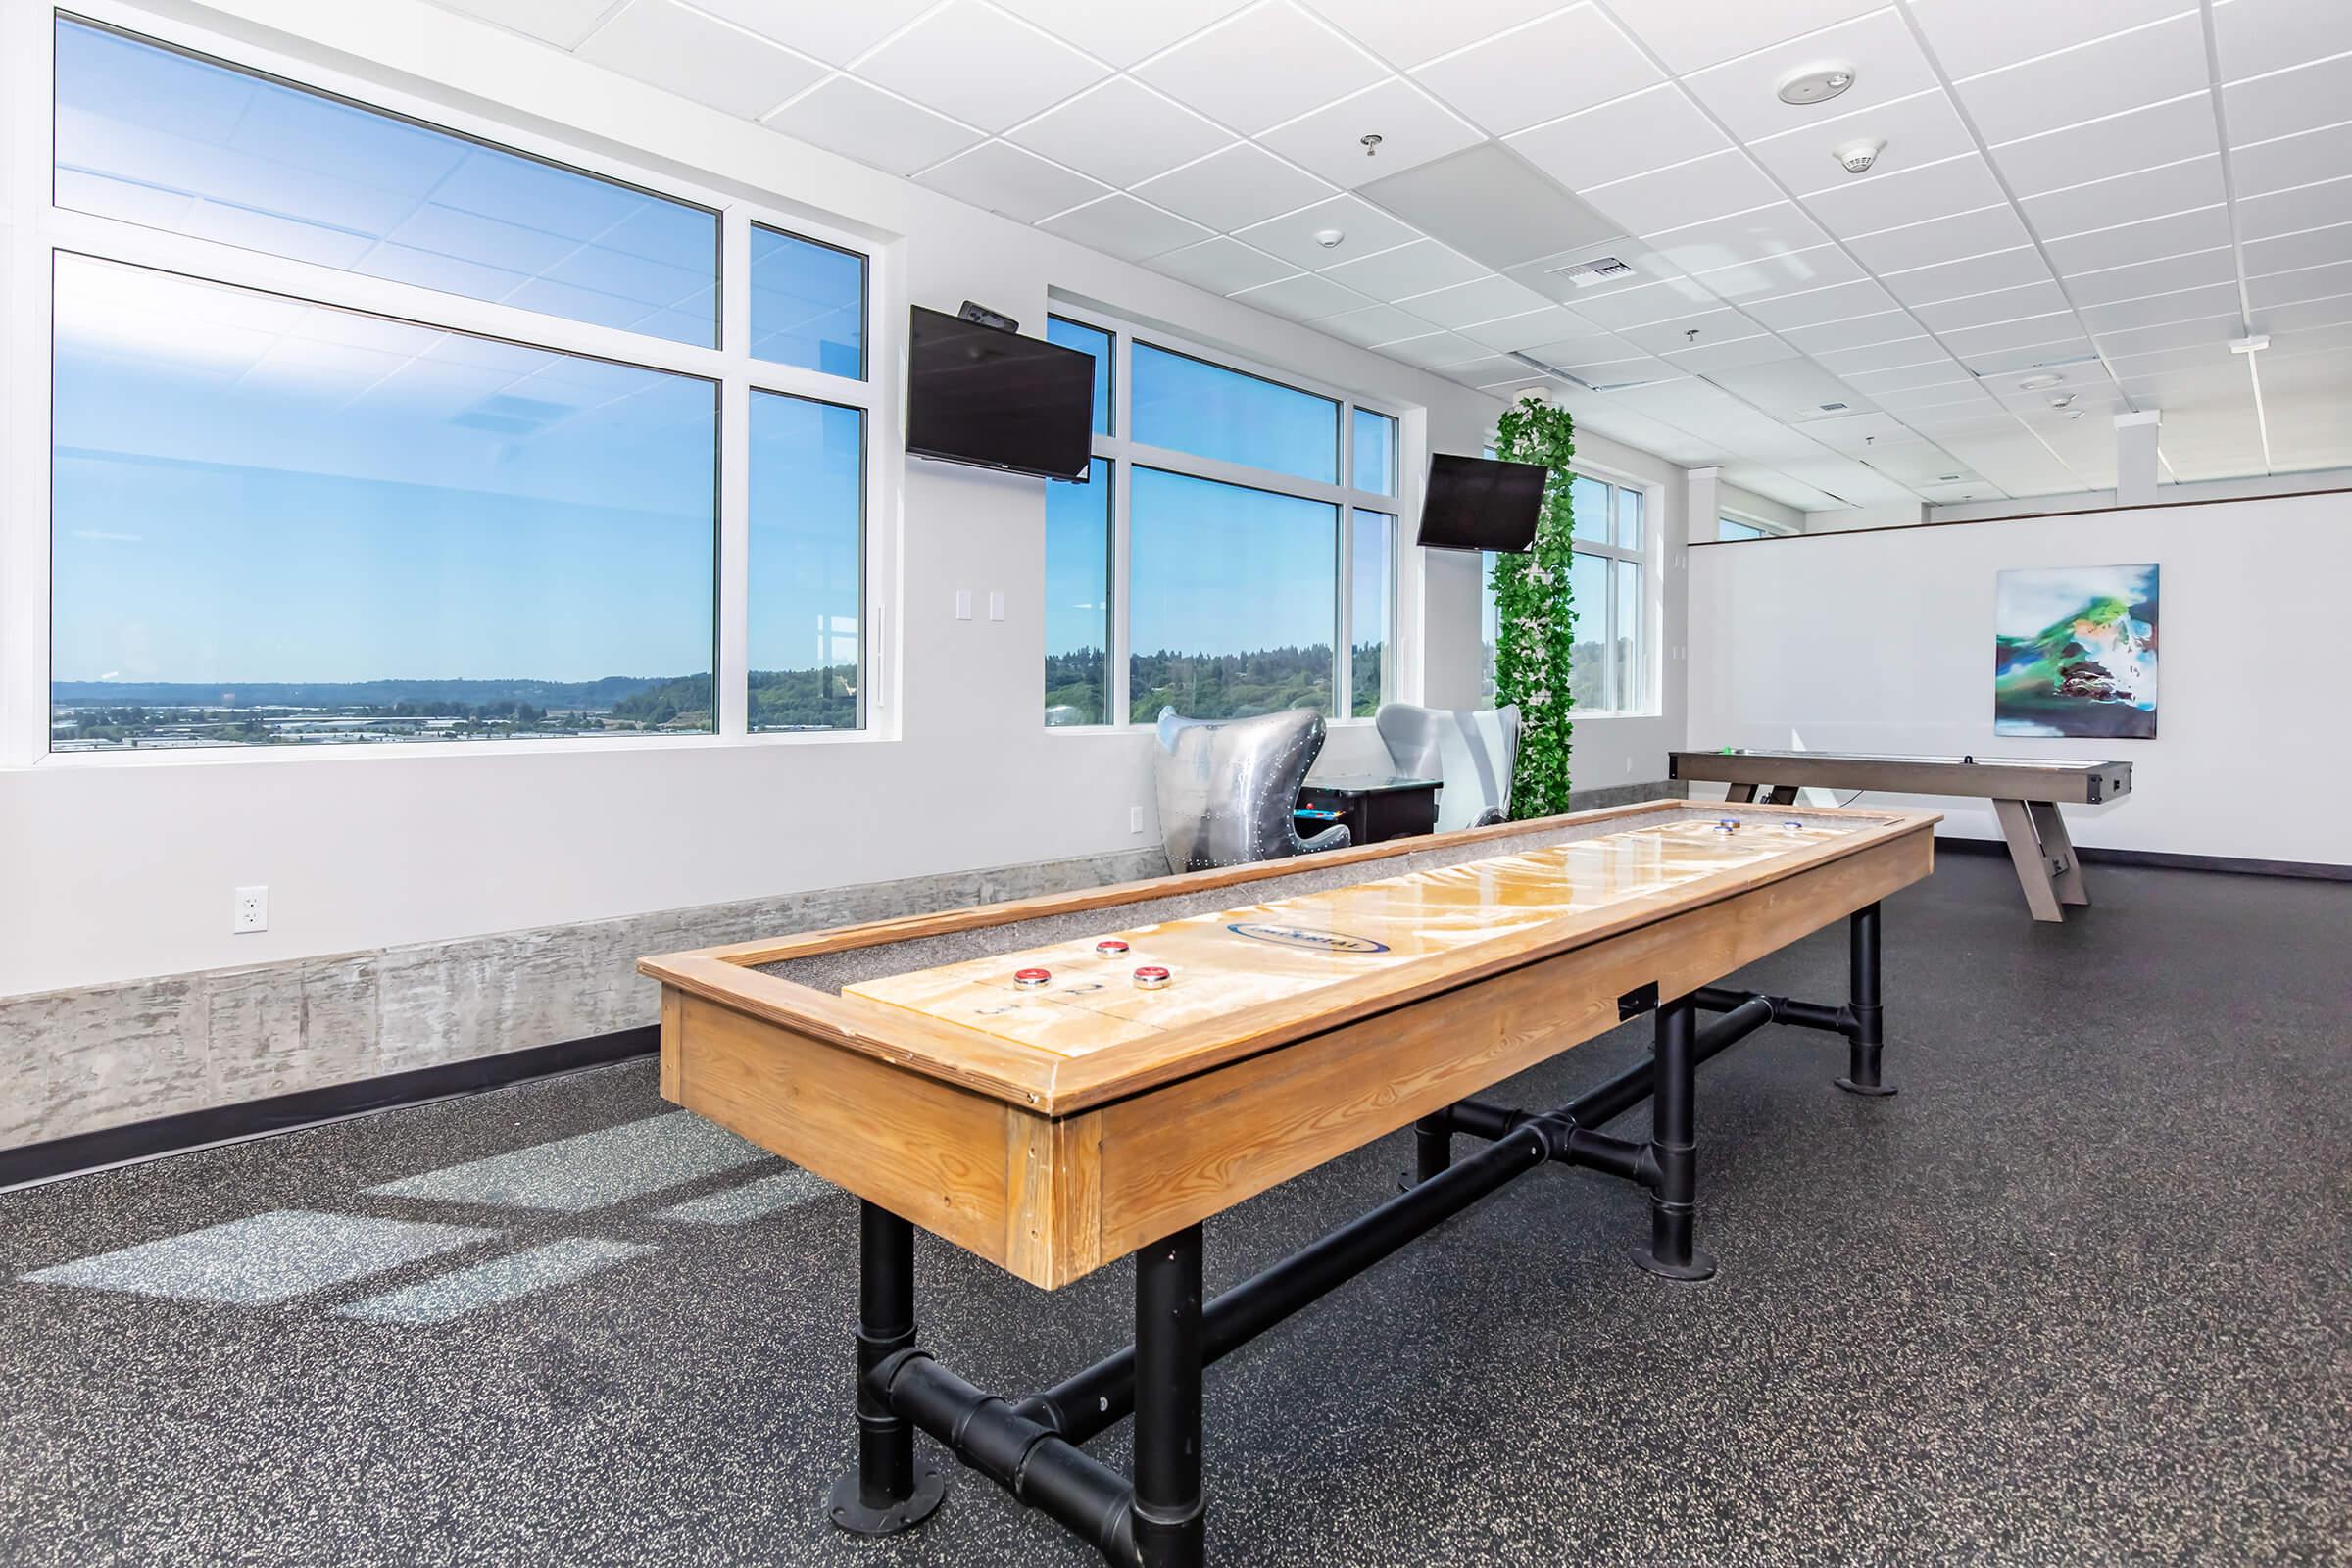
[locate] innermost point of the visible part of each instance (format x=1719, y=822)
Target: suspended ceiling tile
x=2123, y=71
x=1785, y=272
x=1952, y=236
x=2167, y=133
x=1974, y=37
x=1012, y=180
x=1517, y=78
x=979, y=65
x=2173, y=234
x=1779, y=229
x=1627, y=136
x=1414, y=129
x=1262, y=67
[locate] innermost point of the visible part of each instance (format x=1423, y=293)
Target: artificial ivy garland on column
x=1536, y=612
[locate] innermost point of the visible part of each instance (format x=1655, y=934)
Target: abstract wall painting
x=2075, y=652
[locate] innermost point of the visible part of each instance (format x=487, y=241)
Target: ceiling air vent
x=1584, y=274
x=1832, y=408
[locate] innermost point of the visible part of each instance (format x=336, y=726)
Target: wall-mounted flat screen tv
x=1481, y=503
x=996, y=399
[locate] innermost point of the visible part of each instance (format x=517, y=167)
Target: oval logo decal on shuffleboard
x=1299, y=935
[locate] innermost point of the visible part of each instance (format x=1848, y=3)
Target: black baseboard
x=2312, y=870
x=280, y=1113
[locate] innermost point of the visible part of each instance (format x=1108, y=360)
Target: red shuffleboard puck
x=1151, y=977
x=1027, y=978
x=1110, y=947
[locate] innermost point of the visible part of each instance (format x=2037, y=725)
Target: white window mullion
x=25, y=266
x=1116, y=697
x=730, y=689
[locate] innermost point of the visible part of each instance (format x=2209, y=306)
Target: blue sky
x=249, y=488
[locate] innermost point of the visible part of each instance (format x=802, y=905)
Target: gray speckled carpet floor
x=2081, y=1294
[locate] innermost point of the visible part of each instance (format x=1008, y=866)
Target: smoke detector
x=1329, y=238
x=1858, y=155
x=1815, y=85
x=2062, y=400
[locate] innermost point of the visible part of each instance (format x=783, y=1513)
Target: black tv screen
x=980, y=395
x=1481, y=503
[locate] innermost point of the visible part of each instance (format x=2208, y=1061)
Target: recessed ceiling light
x=1814, y=84
x=2034, y=383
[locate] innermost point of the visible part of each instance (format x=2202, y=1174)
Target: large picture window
x=277, y=521
x=1204, y=566
x=365, y=431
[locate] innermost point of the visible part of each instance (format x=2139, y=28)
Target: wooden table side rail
x=1052, y=1194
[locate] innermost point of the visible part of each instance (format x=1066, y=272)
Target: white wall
x=1884, y=642
x=117, y=867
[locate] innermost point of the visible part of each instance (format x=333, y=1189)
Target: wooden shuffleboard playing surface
x=1253, y=954
x=1052, y=1128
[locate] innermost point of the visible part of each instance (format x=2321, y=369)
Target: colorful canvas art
x=2075, y=652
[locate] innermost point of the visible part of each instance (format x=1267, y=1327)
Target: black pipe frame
x=1158, y=1520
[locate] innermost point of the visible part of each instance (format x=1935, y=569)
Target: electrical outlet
x=1135, y=819
x=248, y=912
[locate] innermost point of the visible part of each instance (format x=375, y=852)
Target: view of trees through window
x=1606, y=575
x=300, y=520
x=1245, y=594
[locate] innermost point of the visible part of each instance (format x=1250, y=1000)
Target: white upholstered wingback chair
x=1226, y=788
x=1471, y=749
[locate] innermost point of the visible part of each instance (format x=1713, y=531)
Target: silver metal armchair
x=1473, y=750
x=1226, y=788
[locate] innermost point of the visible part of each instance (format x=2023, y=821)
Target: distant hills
x=597, y=696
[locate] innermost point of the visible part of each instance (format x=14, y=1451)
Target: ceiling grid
x=2106, y=192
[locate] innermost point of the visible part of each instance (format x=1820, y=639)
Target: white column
x=2135, y=457
x=1705, y=503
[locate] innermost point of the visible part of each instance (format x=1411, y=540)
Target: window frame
x=1645, y=696
x=1124, y=454
x=1651, y=557
x=37, y=230
x=1733, y=515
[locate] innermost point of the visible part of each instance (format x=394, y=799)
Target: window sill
x=1146, y=730
x=330, y=756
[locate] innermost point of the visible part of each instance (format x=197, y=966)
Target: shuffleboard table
x=1058, y=1082
x=2025, y=792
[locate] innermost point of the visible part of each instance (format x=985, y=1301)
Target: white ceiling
x=2105, y=190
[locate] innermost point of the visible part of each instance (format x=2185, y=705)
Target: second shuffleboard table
x=1058, y=1082
x=2025, y=794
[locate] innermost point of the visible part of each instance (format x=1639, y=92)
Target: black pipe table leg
x=1868, y=1018
x=1171, y=1516
x=1433, y=1150
x=890, y=1490
x=1673, y=1146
